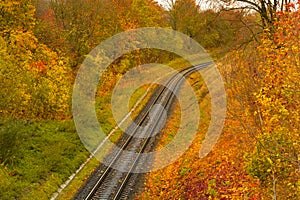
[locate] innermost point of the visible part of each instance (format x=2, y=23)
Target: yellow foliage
x=35, y=81
x=263, y=90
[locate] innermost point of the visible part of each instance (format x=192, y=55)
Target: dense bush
x=264, y=95
x=35, y=81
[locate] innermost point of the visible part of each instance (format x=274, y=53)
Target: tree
x=215, y=31
x=267, y=9
x=264, y=95
x=184, y=16
x=211, y=28
x=78, y=26
x=35, y=81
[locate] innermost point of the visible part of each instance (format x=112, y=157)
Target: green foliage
x=211, y=191
x=184, y=17
x=214, y=30
x=218, y=31
x=184, y=171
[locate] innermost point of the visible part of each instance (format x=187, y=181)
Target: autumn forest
x=255, y=45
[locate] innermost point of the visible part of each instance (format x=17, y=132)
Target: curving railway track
x=108, y=183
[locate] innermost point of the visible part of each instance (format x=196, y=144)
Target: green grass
x=37, y=157
x=107, y=123
x=137, y=95
x=79, y=180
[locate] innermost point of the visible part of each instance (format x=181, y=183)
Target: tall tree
x=35, y=81
x=183, y=16
x=83, y=24
x=263, y=94
x=267, y=9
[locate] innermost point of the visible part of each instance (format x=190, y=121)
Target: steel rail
x=173, y=84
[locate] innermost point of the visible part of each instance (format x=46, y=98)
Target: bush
x=263, y=83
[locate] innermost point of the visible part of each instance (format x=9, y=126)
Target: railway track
x=108, y=183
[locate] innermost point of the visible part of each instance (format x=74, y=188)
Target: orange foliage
x=257, y=156
x=220, y=175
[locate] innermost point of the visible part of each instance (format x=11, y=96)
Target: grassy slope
x=80, y=179
x=83, y=175
x=104, y=113
x=41, y=157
